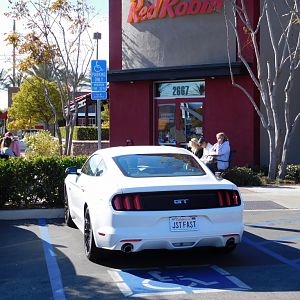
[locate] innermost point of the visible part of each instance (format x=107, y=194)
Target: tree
x=58, y=36
x=105, y=118
x=30, y=107
x=279, y=24
x=3, y=76
x=7, y=80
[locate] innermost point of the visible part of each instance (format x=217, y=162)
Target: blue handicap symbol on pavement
x=176, y=280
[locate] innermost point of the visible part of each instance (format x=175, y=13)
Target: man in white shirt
x=206, y=146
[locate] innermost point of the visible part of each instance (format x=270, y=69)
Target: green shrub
x=87, y=133
x=243, y=176
x=26, y=182
x=293, y=173
x=41, y=144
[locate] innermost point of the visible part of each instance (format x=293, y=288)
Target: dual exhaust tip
x=127, y=247
x=230, y=245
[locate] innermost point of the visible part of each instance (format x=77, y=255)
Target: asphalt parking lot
x=43, y=259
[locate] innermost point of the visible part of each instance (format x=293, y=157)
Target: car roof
x=126, y=150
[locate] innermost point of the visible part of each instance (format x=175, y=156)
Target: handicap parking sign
x=175, y=280
x=98, y=79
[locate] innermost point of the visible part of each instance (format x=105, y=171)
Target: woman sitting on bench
x=221, y=152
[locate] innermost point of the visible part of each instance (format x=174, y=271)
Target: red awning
x=3, y=115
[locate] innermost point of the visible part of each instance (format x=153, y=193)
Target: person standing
x=15, y=143
x=6, y=147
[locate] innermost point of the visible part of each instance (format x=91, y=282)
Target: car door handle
x=82, y=188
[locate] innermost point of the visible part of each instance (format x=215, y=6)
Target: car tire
x=68, y=219
x=91, y=251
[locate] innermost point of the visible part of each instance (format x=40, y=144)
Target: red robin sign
x=141, y=10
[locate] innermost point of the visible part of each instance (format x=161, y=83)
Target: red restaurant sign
x=159, y=9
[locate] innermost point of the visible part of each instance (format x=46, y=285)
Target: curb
x=26, y=214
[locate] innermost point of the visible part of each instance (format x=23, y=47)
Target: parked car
x=151, y=197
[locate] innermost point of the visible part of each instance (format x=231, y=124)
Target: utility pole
x=14, y=56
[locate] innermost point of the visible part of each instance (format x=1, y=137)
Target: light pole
x=97, y=37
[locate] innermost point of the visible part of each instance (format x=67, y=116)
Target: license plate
x=190, y=223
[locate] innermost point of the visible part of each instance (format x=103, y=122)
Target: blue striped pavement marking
x=52, y=266
x=260, y=245
x=175, y=281
x=271, y=253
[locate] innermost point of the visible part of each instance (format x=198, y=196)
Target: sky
x=100, y=24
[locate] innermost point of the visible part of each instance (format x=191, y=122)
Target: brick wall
x=87, y=147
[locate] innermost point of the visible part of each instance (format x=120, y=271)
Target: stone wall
x=87, y=147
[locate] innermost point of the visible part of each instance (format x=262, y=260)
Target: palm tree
x=7, y=80
x=43, y=71
x=3, y=77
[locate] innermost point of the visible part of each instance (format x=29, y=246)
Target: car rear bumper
x=153, y=230
x=139, y=243
x=176, y=244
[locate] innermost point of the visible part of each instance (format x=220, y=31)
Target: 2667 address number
x=182, y=90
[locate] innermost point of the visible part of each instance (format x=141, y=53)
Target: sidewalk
x=284, y=196
x=35, y=213
x=255, y=198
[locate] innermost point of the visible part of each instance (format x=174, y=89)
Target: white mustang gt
x=151, y=197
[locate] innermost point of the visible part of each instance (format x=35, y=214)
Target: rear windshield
x=158, y=165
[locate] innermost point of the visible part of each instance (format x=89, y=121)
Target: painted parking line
x=295, y=263
x=175, y=280
x=271, y=253
x=281, y=239
x=52, y=266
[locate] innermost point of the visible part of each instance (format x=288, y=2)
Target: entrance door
x=178, y=120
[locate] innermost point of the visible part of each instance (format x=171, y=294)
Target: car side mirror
x=71, y=170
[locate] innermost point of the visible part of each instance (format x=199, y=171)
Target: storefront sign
x=158, y=9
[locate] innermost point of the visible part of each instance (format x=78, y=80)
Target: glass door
x=191, y=114
x=178, y=120
x=166, y=124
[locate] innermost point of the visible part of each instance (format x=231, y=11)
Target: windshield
x=158, y=165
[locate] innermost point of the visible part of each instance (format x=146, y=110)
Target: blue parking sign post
x=98, y=88
x=99, y=78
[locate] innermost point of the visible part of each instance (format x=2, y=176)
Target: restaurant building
x=170, y=80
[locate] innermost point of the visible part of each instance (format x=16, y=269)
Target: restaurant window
x=179, y=111
x=81, y=121
x=92, y=121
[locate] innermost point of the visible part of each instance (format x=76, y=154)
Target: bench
x=230, y=161
x=231, y=158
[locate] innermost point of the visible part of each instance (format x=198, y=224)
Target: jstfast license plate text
x=190, y=223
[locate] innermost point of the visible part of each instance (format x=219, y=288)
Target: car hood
x=130, y=185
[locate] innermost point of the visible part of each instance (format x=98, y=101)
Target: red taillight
x=228, y=198
x=137, y=202
x=117, y=203
x=220, y=199
x=235, y=198
x=127, y=202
